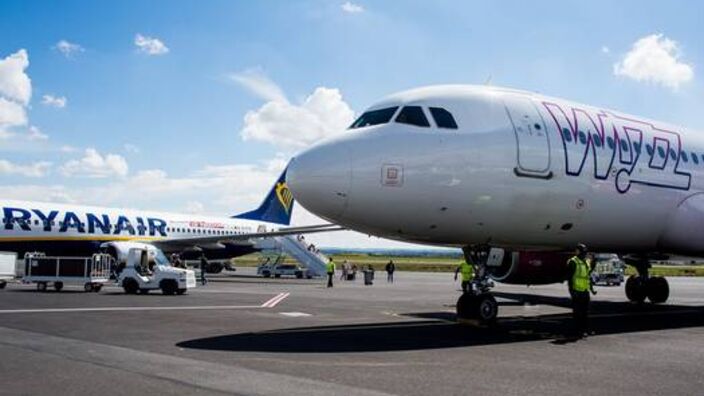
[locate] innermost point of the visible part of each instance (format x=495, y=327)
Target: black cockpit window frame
x=413, y=115
x=374, y=117
x=443, y=118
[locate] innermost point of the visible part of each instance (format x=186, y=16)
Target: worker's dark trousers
x=330, y=275
x=580, y=311
x=390, y=277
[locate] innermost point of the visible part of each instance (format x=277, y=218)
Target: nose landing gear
x=478, y=305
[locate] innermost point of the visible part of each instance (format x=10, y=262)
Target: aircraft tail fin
x=277, y=206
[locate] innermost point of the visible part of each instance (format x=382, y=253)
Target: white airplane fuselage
x=521, y=171
x=79, y=230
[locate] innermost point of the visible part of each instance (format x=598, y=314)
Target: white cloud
x=291, y=126
x=37, y=169
x=351, y=8
x=12, y=114
x=150, y=45
x=655, y=59
x=605, y=50
x=95, y=165
x=35, y=134
x=54, y=101
x=131, y=148
x=195, y=207
x=67, y=48
x=15, y=84
x=259, y=84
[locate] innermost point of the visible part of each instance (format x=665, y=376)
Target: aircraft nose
x=319, y=179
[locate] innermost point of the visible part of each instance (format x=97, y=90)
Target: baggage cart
x=91, y=272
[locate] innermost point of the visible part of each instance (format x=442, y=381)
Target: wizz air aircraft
x=516, y=179
x=73, y=230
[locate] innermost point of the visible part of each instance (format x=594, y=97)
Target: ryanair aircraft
x=72, y=230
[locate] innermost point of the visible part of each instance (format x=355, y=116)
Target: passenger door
x=533, y=145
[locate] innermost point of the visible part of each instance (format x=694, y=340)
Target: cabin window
x=673, y=155
x=567, y=134
x=374, y=117
x=582, y=137
x=684, y=156
x=443, y=118
x=661, y=152
x=413, y=115
x=695, y=158
x=610, y=142
x=649, y=149
x=597, y=140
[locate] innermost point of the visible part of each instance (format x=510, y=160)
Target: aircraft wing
x=219, y=240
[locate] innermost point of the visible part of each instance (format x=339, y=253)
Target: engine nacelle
x=527, y=268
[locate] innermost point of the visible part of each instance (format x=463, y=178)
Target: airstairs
x=306, y=255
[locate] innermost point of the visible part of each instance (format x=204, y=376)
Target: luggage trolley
x=91, y=272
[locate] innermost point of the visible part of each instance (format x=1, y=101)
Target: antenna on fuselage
x=488, y=80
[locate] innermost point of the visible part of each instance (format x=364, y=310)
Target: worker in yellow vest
x=467, y=271
x=579, y=282
x=330, y=269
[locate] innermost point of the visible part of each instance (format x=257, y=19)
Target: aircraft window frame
x=420, y=120
x=443, y=115
x=378, y=117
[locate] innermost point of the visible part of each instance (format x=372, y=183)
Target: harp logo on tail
x=284, y=195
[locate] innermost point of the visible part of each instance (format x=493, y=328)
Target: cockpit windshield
x=374, y=117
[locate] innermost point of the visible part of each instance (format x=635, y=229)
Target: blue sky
x=164, y=123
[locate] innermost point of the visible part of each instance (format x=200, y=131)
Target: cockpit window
x=412, y=115
x=374, y=117
x=443, y=118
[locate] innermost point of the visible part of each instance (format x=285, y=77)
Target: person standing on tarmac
x=467, y=272
x=390, y=268
x=330, y=267
x=203, y=269
x=579, y=282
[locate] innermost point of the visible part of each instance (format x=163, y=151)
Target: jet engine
x=526, y=267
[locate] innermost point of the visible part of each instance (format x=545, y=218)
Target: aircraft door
x=532, y=143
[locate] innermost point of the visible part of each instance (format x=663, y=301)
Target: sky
x=197, y=106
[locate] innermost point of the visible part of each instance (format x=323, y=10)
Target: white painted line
x=295, y=314
x=110, y=309
x=274, y=301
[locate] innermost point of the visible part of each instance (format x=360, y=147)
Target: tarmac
x=246, y=335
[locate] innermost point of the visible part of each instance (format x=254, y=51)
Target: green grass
x=447, y=264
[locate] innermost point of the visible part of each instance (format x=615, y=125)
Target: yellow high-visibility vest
x=580, y=278
x=467, y=271
x=330, y=267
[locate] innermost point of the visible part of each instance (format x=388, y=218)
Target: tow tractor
x=147, y=268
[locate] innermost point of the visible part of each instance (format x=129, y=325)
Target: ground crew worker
x=390, y=269
x=203, y=269
x=467, y=272
x=579, y=282
x=330, y=267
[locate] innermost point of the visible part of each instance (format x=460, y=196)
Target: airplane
x=74, y=230
x=516, y=179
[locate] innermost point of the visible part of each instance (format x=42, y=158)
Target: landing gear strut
x=640, y=286
x=477, y=304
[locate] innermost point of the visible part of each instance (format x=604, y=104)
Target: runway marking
x=274, y=301
x=295, y=314
x=271, y=303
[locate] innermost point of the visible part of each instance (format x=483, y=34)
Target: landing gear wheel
x=636, y=289
x=169, y=288
x=181, y=291
x=481, y=308
x=58, y=286
x=130, y=285
x=658, y=289
x=3, y=284
x=97, y=287
x=41, y=286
